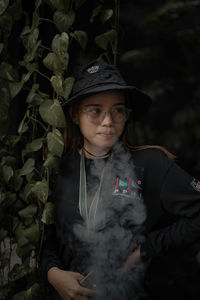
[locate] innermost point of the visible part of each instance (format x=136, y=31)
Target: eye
x=94, y=111
x=119, y=110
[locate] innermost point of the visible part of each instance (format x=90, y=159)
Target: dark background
x=158, y=51
x=159, y=48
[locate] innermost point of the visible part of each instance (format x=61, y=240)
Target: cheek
x=86, y=127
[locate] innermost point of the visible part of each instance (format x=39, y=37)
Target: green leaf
x=52, y=113
x=28, y=212
x=35, y=145
x=51, y=162
x=12, y=140
x=32, y=67
x=33, y=97
x=40, y=189
x=55, y=63
x=58, y=4
x=64, y=20
x=23, y=127
x=32, y=234
x=18, y=181
x=28, y=167
x=31, y=94
x=57, y=84
x=18, y=272
x=2, y=197
x=7, y=173
x=8, y=72
x=48, y=213
x=25, y=31
x=67, y=86
x=107, y=38
x=29, y=37
x=15, y=87
x=3, y=6
x=30, y=294
x=29, y=177
x=26, y=191
x=81, y=37
x=24, y=252
x=8, y=160
x=4, y=104
x=60, y=44
x=21, y=239
x=62, y=88
x=31, y=54
x=96, y=12
x=36, y=18
x=106, y=14
x=6, y=22
x=55, y=142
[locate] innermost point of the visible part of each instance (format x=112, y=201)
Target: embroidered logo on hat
x=93, y=69
x=195, y=184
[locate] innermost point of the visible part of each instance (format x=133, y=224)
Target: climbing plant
x=39, y=43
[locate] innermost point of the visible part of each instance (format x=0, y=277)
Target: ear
x=74, y=115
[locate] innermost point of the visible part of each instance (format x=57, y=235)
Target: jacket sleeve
x=180, y=197
x=49, y=255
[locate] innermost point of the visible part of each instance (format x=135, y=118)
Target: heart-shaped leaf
x=52, y=113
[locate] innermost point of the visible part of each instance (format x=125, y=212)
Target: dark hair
x=73, y=139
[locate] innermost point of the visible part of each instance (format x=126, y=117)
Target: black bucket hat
x=99, y=76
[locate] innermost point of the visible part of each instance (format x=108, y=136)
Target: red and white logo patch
x=196, y=184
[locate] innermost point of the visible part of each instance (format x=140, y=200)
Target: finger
x=78, y=276
x=87, y=292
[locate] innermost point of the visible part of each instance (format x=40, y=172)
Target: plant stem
x=37, y=121
x=42, y=75
x=47, y=20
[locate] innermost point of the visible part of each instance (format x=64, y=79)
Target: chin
x=106, y=145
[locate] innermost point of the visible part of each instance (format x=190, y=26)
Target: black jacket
x=171, y=196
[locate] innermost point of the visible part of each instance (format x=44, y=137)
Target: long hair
x=73, y=139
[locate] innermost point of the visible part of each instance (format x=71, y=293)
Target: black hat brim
x=139, y=102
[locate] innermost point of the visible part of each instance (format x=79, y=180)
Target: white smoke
x=119, y=229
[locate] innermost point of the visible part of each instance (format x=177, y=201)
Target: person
x=117, y=206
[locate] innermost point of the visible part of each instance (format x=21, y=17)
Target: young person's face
x=100, y=119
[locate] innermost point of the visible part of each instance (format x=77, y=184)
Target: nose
x=107, y=119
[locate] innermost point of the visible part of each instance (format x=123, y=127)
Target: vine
x=33, y=84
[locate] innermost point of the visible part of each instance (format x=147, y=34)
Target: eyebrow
x=99, y=105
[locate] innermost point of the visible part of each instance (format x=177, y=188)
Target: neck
x=89, y=154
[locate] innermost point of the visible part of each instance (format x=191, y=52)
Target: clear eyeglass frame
x=97, y=119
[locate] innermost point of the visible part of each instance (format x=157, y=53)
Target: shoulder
x=154, y=162
x=69, y=162
x=150, y=156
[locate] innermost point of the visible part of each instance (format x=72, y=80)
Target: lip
x=106, y=134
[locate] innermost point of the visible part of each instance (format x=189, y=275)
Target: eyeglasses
x=96, y=115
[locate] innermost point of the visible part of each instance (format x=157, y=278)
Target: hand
x=133, y=259
x=67, y=285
